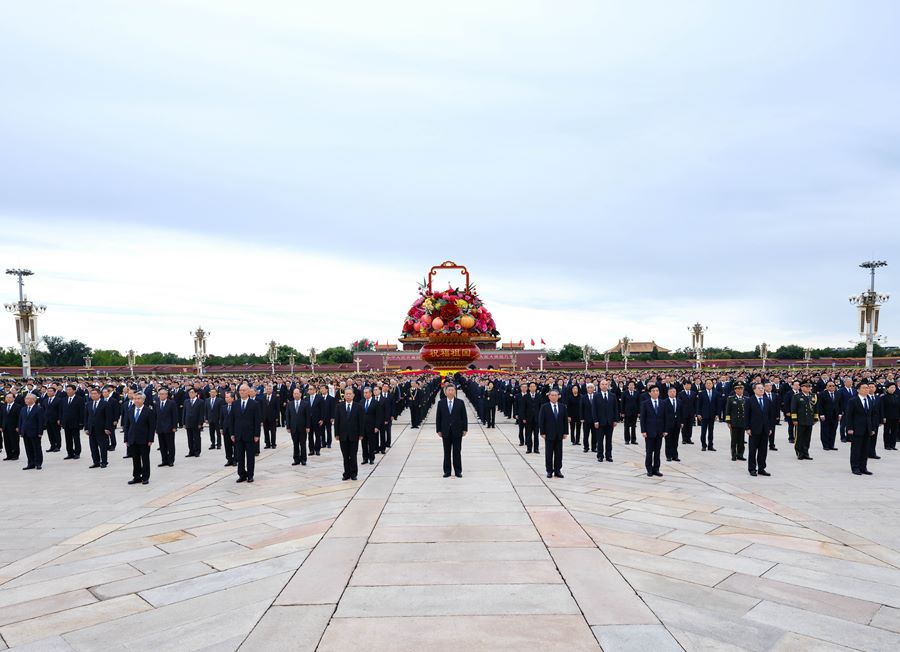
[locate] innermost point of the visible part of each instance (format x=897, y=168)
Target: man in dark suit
x=829, y=415
x=139, y=437
x=673, y=411
x=370, y=427
x=521, y=411
x=687, y=400
x=313, y=406
x=98, y=424
x=298, y=424
x=629, y=409
x=226, y=429
x=386, y=404
x=860, y=422
x=771, y=392
x=271, y=410
x=452, y=426
x=72, y=421
x=11, y=426
x=532, y=406
x=708, y=409
x=326, y=415
x=553, y=424
x=348, y=430
x=52, y=405
x=653, y=431
x=192, y=417
x=246, y=417
x=607, y=415
x=213, y=409
x=760, y=421
x=844, y=395
x=167, y=417
x=31, y=428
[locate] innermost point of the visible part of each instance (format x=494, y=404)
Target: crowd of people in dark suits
x=243, y=415
x=240, y=414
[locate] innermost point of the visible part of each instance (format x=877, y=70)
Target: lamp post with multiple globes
x=869, y=304
x=25, y=313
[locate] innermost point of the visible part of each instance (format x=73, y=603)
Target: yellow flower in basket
x=461, y=303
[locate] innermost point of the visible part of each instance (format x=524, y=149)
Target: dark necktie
x=555, y=411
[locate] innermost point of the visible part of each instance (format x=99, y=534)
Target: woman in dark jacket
x=573, y=410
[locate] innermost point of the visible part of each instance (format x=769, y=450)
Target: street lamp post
x=384, y=360
x=25, y=313
x=131, y=357
x=291, y=360
x=869, y=305
x=764, y=353
x=697, y=332
x=312, y=360
x=515, y=357
x=625, y=350
x=200, y=356
x=541, y=360
x=606, y=361
x=357, y=361
x=807, y=356
x=273, y=355
x=586, y=354
x=87, y=362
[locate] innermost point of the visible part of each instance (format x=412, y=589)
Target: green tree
x=157, y=357
x=335, y=355
x=789, y=352
x=108, y=358
x=362, y=344
x=568, y=353
x=64, y=353
x=285, y=350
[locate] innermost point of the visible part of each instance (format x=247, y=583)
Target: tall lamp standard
x=357, y=361
x=869, y=304
x=26, y=314
x=625, y=350
x=87, y=362
x=807, y=356
x=586, y=353
x=697, y=332
x=764, y=353
x=200, y=356
x=273, y=355
x=291, y=360
x=131, y=358
x=541, y=360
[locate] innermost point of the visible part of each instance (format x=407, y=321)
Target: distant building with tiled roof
x=636, y=348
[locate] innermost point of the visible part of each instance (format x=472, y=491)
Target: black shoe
x=689, y=442
x=163, y=464
x=609, y=459
x=742, y=459
x=212, y=447
x=249, y=479
x=844, y=439
x=111, y=448
x=145, y=482
x=38, y=468
x=446, y=475
x=292, y=464
x=241, y=480
x=674, y=459
x=219, y=446
x=733, y=458
x=353, y=477
x=94, y=466
x=69, y=457
x=867, y=473
x=171, y=464
x=753, y=473
x=346, y=477
x=807, y=457
x=528, y=452
x=133, y=481
x=317, y=452
x=50, y=450
x=874, y=457
x=103, y=465
x=459, y=475
x=669, y=459
x=549, y=475
x=857, y=473
x=27, y=468
x=711, y=449
x=703, y=450
x=559, y=475
x=658, y=474
x=764, y=473
x=772, y=448
x=303, y=463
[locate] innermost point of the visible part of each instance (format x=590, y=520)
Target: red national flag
x=532, y=341
x=542, y=341
x=376, y=342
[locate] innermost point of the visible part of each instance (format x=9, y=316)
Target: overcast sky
x=291, y=169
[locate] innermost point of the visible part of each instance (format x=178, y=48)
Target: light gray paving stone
x=721, y=560
x=291, y=629
x=455, y=551
x=828, y=628
x=468, y=600
x=635, y=638
x=860, y=589
x=322, y=578
x=455, y=572
x=151, y=580
x=697, y=595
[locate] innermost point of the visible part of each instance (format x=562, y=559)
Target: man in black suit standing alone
x=11, y=426
x=245, y=423
x=167, y=416
x=348, y=430
x=759, y=423
x=298, y=424
x=139, y=437
x=452, y=426
x=370, y=427
x=31, y=427
x=72, y=421
x=52, y=408
x=553, y=423
x=652, y=430
x=214, y=408
x=271, y=411
x=607, y=415
x=860, y=421
x=193, y=416
x=98, y=424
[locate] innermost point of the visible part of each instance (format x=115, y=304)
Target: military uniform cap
x=805, y=383
x=738, y=384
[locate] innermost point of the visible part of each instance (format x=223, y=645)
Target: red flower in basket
x=449, y=312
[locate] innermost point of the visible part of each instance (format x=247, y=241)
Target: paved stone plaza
x=705, y=558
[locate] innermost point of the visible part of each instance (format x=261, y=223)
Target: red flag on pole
x=542, y=341
x=376, y=342
x=532, y=341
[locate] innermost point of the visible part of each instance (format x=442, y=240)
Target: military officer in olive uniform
x=736, y=418
x=804, y=413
